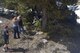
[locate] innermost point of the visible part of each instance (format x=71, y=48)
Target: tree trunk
x=44, y=19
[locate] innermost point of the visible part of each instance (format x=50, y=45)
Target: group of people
x=17, y=26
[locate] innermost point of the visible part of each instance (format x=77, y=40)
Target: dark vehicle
x=1, y=11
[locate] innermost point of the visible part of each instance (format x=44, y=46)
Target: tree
x=49, y=8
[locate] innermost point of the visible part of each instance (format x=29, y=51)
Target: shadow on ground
x=72, y=42
x=19, y=50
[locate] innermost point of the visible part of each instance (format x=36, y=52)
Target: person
x=6, y=38
x=15, y=28
x=20, y=23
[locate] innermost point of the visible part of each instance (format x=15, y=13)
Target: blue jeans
x=16, y=32
x=21, y=29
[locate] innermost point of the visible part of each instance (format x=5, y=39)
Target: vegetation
x=51, y=12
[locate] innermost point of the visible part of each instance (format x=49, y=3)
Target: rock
x=1, y=22
x=44, y=41
x=39, y=33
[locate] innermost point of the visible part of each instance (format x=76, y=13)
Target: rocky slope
x=33, y=44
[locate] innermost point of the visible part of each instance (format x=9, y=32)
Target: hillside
x=37, y=43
